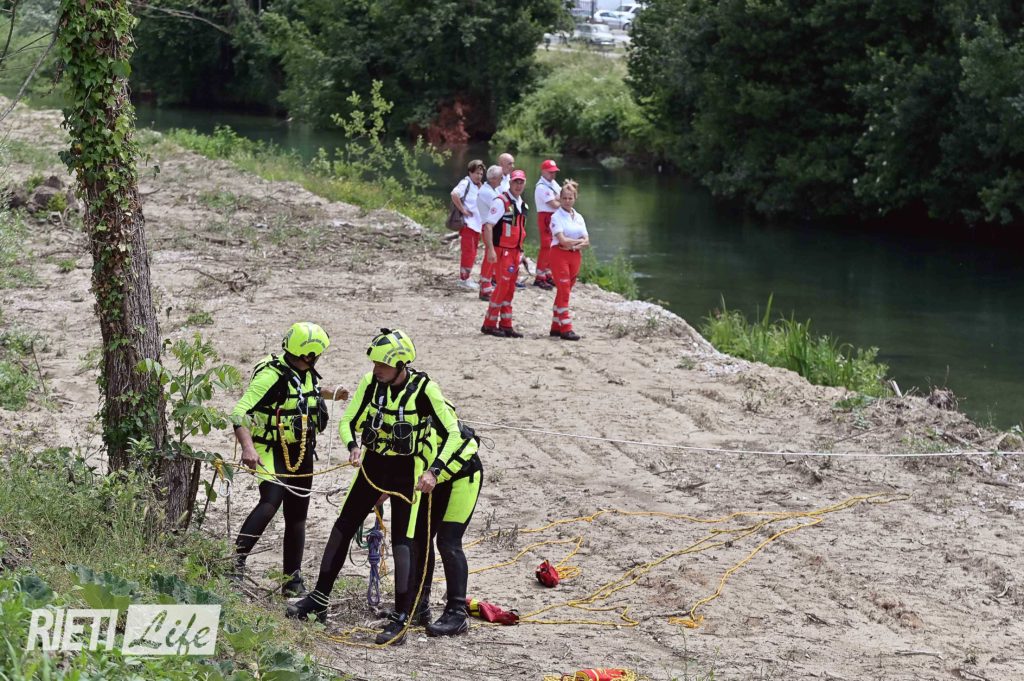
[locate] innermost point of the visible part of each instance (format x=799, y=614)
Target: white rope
x=723, y=450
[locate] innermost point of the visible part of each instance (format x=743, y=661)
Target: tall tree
x=95, y=45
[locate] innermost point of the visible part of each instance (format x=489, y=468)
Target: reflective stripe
x=560, y=309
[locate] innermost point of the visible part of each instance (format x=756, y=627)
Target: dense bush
x=837, y=108
x=430, y=54
x=582, y=106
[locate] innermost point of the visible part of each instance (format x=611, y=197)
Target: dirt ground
x=926, y=586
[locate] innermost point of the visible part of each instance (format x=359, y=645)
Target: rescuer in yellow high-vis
x=404, y=426
x=276, y=424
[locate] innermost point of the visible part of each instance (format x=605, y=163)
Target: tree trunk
x=95, y=45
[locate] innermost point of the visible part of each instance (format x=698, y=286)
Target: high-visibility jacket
x=510, y=230
x=436, y=437
x=273, y=405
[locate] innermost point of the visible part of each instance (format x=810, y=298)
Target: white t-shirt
x=469, y=202
x=546, y=191
x=484, y=198
x=572, y=225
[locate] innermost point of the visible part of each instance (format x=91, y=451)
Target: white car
x=613, y=19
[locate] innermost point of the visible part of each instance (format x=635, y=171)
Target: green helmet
x=393, y=348
x=304, y=339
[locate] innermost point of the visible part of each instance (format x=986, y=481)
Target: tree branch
x=179, y=14
x=28, y=79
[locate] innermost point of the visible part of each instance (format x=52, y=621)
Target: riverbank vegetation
x=72, y=538
x=364, y=172
x=790, y=344
x=580, y=105
x=837, y=109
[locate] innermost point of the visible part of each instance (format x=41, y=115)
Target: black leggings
x=272, y=497
x=449, y=545
x=394, y=473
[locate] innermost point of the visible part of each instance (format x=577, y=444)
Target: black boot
x=394, y=630
x=452, y=622
x=422, y=617
x=315, y=603
x=294, y=587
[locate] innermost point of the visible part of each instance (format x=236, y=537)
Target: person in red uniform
x=545, y=202
x=504, y=232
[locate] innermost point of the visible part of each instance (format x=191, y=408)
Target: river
x=946, y=314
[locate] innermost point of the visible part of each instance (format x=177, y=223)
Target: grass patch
x=18, y=152
x=67, y=265
x=790, y=344
x=321, y=176
x=14, y=271
x=56, y=513
x=615, y=275
x=17, y=379
x=199, y=318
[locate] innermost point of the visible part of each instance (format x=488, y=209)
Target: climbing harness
x=374, y=540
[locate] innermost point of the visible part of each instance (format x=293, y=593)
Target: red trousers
x=544, y=251
x=499, y=309
x=565, y=267
x=470, y=245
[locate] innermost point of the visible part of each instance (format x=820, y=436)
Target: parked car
x=613, y=19
x=629, y=10
x=595, y=35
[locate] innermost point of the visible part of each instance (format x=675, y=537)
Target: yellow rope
x=714, y=539
x=345, y=637
x=284, y=445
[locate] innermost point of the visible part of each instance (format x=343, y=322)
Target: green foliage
x=839, y=108
x=207, y=53
x=432, y=56
x=367, y=155
x=34, y=22
x=581, y=106
x=189, y=391
x=81, y=539
x=790, y=344
x=58, y=203
x=617, y=275
x=17, y=379
x=67, y=265
x=199, y=318
x=323, y=176
x=14, y=256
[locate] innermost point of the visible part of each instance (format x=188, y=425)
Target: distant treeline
x=841, y=108
x=442, y=62
x=819, y=109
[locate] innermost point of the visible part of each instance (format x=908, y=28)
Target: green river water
x=942, y=313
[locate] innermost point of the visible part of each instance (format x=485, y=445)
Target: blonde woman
x=568, y=239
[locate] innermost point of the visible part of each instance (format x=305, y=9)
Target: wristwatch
x=435, y=471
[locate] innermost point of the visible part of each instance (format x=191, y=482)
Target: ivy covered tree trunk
x=95, y=42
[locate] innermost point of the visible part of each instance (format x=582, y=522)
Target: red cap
x=518, y=175
x=549, y=165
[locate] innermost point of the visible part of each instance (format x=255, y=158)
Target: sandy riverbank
x=925, y=587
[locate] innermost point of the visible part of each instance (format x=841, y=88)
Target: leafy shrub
x=581, y=106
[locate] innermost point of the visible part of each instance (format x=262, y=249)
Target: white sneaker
x=468, y=284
